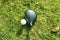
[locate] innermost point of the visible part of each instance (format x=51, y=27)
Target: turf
x=12, y=11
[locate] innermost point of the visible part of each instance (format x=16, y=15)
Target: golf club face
x=31, y=17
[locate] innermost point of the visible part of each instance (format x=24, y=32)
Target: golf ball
x=23, y=22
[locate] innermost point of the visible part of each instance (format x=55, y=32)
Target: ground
x=48, y=17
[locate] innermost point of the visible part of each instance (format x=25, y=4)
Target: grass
x=12, y=11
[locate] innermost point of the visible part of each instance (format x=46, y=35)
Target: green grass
x=12, y=11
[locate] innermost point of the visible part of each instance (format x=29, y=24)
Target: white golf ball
x=23, y=21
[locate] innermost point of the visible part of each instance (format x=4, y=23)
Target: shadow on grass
x=27, y=28
x=53, y=32
x=19, y=32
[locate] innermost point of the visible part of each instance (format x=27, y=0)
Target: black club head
x=30, y=16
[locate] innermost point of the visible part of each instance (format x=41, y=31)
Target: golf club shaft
x=38, y=34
